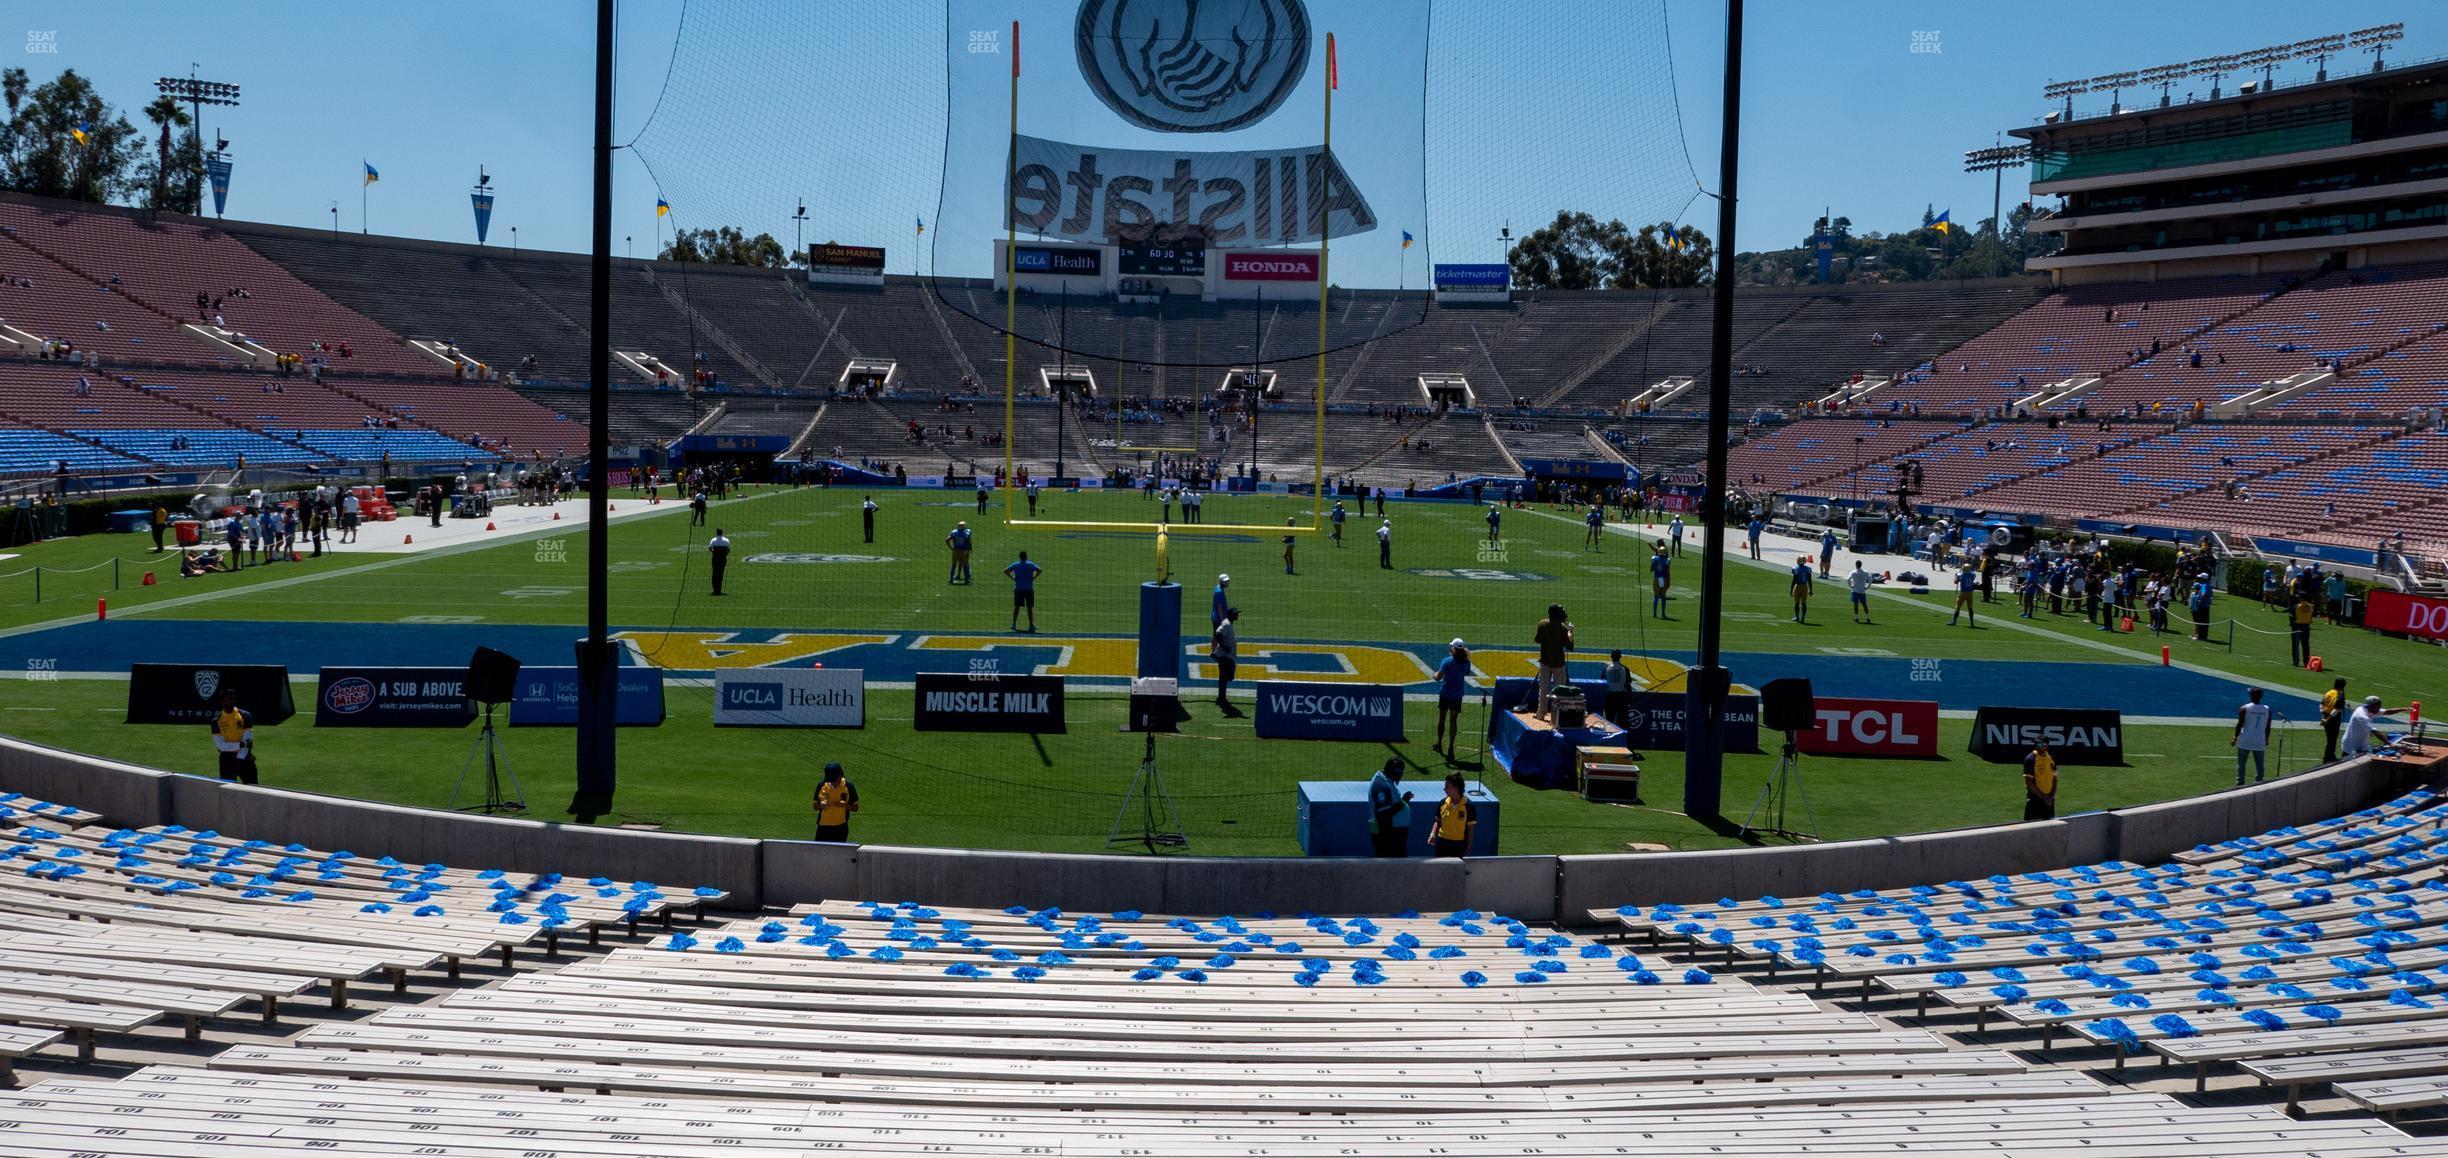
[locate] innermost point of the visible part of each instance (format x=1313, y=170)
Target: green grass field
x=1061, y=792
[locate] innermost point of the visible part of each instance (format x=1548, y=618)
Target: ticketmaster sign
x=791, y=698
x=1292, y=711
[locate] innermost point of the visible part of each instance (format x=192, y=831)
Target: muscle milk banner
x=2074, y=735
x=959, y=702
x=791, y=697
x=1872, y=728
x=393, y=697
x=183, y=693
x=2420, y=616
x=1259, y=197
x=1289, y=711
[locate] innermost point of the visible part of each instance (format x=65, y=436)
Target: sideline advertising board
x=790, y=698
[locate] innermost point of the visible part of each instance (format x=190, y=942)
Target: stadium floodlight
x=2164, y=78
x=2375, y=40
x=2214, y=67
x=1995, y=161
x=197, y=93
x=2065, y=91
x=2114, y=84
x=2318, y=50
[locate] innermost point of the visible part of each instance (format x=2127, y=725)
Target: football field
x=805, y=587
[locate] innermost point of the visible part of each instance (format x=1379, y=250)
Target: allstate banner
x=1290, y=711
x=959, y=702
x=791, y=698
x=217, y=170
x=2074, y=735
x=1253, y=197
x=393, y=697
x=547, y=697
x=484, y=214
x=184, y=693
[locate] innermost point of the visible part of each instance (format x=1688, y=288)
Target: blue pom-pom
x=2328, y=1013
x=1194, y=976
x=1698, y=977
x=2174, y=1026
x=2010, y=994
x=2265, y=1019
x=729, y=945
x=680, y=942
x=1472, y=979
x=1949, y=978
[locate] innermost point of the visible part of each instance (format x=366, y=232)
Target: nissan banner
x=2074, y=735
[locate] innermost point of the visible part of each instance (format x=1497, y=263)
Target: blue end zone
x=2139, y=688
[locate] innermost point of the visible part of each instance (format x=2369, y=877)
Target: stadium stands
x=1796, y=456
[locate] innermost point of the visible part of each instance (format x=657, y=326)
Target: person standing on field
x=836, y=798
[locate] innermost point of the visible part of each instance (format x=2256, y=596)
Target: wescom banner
x=2074, y=735
x=2420, y=616
x=791, y=698
x=1289, y=711
x=1261, y=197
x=1872, y=728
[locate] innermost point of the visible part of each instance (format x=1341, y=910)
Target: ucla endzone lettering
x=896, y=657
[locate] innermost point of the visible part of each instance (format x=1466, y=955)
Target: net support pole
x=1317, y=486
x=1705, y=698
x=1011, y=281
x=598, y=674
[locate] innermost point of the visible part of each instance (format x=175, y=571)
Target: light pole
x=1853, y=480
x=514, y=241
x=1995, y=161
x=198, y=93
x=335, y=212
x=799, y=228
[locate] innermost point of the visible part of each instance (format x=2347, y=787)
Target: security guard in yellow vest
x=233, y=733
x=2040, y=784
x=836, y=799
x=1456, y=820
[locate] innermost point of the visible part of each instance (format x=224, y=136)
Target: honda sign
x=1271, y=266
x=1872, y=728
x=2420, y=616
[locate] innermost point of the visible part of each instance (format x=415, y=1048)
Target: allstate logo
x=1182, y=66
x=350, y=696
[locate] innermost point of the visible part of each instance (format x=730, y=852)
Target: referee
x=718, y=550
x=867, y=510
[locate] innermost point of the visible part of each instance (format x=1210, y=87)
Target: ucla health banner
x=217, y=170
x=393, y=697
x=1289, y=711
x=791, y=698
x=484, y=214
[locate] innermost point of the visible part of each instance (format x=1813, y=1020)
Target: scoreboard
x=1162, y=259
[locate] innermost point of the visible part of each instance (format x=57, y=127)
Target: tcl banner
x=1872, y=728
x=2074, y=735
x=1266, y=266
x=2420, y=616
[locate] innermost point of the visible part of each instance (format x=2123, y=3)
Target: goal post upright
x=1317, y=487
x=1011, y=284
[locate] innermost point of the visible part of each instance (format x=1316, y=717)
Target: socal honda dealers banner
x=393, y=697
x=957, y=702
x=1872, y=728
x=2420, y=616
x=1271, y=266
x=2074, y=735
x=1292, y=711
x=791, y=697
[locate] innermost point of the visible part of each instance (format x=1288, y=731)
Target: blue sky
x=1540, y=104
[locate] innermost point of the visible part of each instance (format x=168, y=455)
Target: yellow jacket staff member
x=233, y=733
x=1457, y=819
x=2040, y=784
x=836, y=799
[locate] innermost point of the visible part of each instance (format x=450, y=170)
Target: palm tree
x=165, y=113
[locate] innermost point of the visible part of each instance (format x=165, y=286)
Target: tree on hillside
x=723, y=245
x=1577, y=252
x=39, y=149
x=170, y=175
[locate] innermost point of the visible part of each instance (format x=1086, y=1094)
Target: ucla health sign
x=791, y=698
x=1289, y=711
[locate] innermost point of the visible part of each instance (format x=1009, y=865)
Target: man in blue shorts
x=1596, y=524
x=1754, y=532
x=1859, y=584
x=958, y=540
x=1827, y=553
x=1801, y=588
x=1024, y=590
x=1495, y=520
x=1336, y=516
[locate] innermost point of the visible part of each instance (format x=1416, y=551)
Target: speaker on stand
x=492, y=680
x=1787, y=707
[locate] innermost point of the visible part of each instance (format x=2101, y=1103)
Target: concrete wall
x=786, y=872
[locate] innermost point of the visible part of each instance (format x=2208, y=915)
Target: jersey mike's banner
x=791, y=698
x=961, y=702
x=185, y=693
x=393, y=697
x=547, y=697
x=2420, y=616
x=1255, y=197
x=1872, y=728
x=1290, y=711
x=2074, y=735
